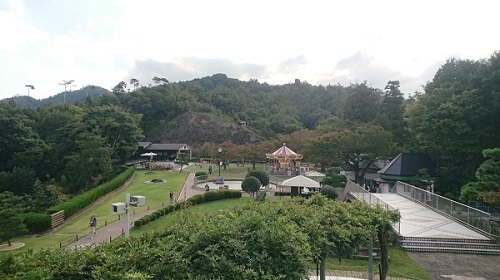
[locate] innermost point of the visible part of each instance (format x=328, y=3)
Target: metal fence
x=475, y=218
x=362, y=194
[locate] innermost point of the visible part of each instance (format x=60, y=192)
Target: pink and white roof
x=284, y=152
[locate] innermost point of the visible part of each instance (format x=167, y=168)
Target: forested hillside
x=70, y=97
x=58, y=150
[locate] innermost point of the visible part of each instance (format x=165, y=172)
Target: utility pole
x=66, y=83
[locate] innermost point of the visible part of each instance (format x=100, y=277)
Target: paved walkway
x=420, y=221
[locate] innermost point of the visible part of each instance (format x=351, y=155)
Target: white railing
x=360, y=193
x=471, y=216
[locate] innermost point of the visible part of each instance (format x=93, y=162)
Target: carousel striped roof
x=284, y=151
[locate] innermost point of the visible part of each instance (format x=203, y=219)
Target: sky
x=102, y=42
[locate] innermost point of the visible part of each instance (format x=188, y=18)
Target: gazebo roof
x=300, y=181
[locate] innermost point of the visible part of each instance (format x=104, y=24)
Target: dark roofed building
x=166, y=152
x=408, y=164
x=406, y=167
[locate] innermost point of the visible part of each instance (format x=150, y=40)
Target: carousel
x=284, y=161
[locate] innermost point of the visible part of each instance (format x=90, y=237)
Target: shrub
x=261, y=196
x=36, y=222
x=201, y=175
x=212, y=196
x=197, y=199
x=169, y=209
x=261, y=175
x=282, y=194
x=251, y=185
x=138, y=223
x=329, y=192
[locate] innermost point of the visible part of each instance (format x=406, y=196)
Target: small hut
x=301, y=185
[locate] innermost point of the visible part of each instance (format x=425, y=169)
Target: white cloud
x=103, y=42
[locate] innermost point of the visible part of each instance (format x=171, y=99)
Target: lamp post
x=29, y=87
x=220, y=152
x=66, y=83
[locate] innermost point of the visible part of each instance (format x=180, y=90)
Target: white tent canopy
x=300, y=181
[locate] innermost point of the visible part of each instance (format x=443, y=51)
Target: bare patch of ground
x=458, y=266
x=13, y=246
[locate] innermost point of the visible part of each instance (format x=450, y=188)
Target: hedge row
x=79, y=202
x=194, y=200
x=36, y=222
x=201, y=175
x=282, y=194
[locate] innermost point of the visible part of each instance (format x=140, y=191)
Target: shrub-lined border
x=194, y=200
x=70, y=207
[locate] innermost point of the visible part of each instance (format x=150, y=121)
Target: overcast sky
x=103, y=42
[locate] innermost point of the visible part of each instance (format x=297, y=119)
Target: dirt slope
x=196, y=128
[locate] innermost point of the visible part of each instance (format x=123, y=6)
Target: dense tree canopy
x=487, y=186
x=454, y=119
x=457, y=118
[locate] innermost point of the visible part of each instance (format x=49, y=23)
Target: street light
x=220, y=152
x=66, y=83
x=29, y=87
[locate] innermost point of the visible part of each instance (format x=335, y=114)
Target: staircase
x=450, y=245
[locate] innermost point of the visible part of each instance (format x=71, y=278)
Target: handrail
x=473, y=218
x=362, y=194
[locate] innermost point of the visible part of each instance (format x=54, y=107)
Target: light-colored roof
x=314, y=174
x=301, y=181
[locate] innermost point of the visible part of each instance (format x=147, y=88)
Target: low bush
x=197, y=199
x=261, y=197
x=36, y=222
x=282, y=194
x=201, y=175
x=329, y=192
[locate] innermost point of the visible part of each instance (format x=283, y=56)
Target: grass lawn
x=156, y=195
x=400, y=265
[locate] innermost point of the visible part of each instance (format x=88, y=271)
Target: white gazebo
x=301, y=185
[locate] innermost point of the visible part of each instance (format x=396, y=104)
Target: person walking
x=93, y=225
x=171, y=197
